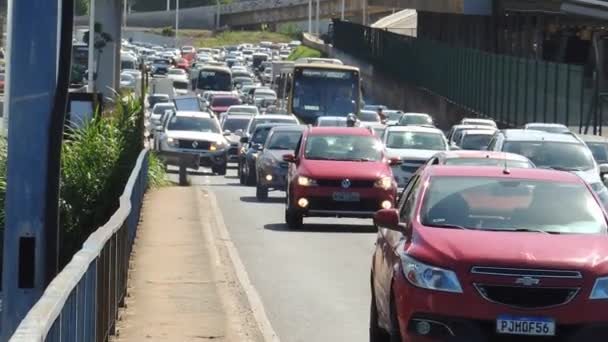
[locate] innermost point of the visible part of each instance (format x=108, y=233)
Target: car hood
x=233, y=139
x=276, y=155
x=190, y=135
x=461, y=249
x=410, y=153
x=329, y=169
x=591, y=176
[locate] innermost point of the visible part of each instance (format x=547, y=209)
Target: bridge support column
x=109, y=14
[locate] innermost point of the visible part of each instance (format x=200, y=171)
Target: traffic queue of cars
x=483, y=234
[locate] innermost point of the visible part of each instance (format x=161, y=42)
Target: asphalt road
x=313, y=282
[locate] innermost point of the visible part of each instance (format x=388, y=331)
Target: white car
x=177, y=74
x=413, y=145
x=127, y=81
x=195, y=133
x=244, y=109
x=547, y=127
x=478, y=122
x=416, y=119
x=158, y=110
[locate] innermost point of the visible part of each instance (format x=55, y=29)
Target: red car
x=491, y=254
x=220, y=103
x=182, y=63
x=338, y=172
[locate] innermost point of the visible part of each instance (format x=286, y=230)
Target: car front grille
x=327, y=203
x=527, y=297
x=337, y=183
x=194, y=144
x=233, y=150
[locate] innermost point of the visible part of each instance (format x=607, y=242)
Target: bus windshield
x=214, y=80
x=324, y=92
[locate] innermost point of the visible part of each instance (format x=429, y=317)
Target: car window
x=343, y=147
x=475, y=141
x=283, y=140
x=187, y=123
x=234, y=124
x=260, y=135
x=405, y=201
x=503, y=204
x=415, y=140
x=555, y=155
x=599, y=151
x=415, y=120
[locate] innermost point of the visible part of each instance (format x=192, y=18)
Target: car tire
x=376, y=333
x=220, y=170
x=250, y=179
x=261, y=193
x=395, y=333
x=241, y=174
x=293, y=219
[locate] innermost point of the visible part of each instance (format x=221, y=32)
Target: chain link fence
x=509, y=89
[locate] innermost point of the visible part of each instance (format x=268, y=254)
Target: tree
x=81, y=7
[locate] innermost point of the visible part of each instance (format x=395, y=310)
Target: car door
x=384, y=257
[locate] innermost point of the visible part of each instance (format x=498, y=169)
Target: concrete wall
x=381, y=88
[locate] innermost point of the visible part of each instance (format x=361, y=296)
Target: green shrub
x=168, y=31
x=304, y=52
x=157, y=176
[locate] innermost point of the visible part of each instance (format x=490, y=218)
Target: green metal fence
x=512, y=90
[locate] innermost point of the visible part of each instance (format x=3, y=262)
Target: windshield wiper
x=360, y=159
x=564, y=168
x=534, y=230
x=449, y=226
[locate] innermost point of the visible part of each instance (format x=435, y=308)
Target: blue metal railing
x=81, y=303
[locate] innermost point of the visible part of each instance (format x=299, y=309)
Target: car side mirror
x=455, y=148
x=388, y=218
x=244, y=140
x=394, y=161
x=159, y=128
x=227, y=132
x=603, y=171
x=290, y=158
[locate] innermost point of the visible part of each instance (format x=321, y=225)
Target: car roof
x=593, y=138
x=478, y=120
x=160, y=95
x=332, y=118
x=340, y=131
x=284, y=127
x=479, y=132
x=417, y=114
x=422, y=129
x=532, y=135
x=242, y=106
x=544, y=124
x=481, y=155
x=367, y=111
x=498, y=172
x=164, y=104
x=469, y=126
x=238, y=115
x=276, y=116
x=225, y=96
x=193, y=114
x=269, y=125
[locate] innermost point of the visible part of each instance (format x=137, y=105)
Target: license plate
x=346, y=196
x=534, y=326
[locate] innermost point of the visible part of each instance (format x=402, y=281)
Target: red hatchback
x=338, y=172
x=491, y=254
x=220, y=103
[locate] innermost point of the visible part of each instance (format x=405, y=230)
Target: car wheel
x=293, y=219
x=376, y=334
x=221, y=170
x=261, y=193
x=241, y=173
x=395, y=334
x=250, y=179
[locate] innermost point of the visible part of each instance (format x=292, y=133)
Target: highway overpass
x=249, y=14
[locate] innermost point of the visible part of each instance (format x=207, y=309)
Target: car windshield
x=555, y=155
x=250, y=110
x=475, y=141
x=415, y=120
x=260, y=121
x=214, y=80
x=550, y=129
x=234, y=124
x=188, y=123
x=393, y=116
x=415, y=141
x=188, y=104
x=161, y=109
x=369, y=117
x=284, y=140
x=177, y=72
x=161, y=61
x=181, y=85
x=260, y=135
x=224, y=101
x=152, y=100
x=343, y=148
x=332, y=123
x=501, y=204
x=489, y=162
x=478, y=122
x=599, y=151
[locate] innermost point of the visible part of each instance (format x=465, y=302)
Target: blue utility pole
x=30, y=233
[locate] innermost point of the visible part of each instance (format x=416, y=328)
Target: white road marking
x=257, y=307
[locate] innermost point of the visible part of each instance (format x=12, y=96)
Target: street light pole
x=168, y=5
x=317, y=18
x=125, y=13
x=91, y=62
x=363, y=12
x=310, y=16
x=342, y=10
x=176, y=23
x=217, y=22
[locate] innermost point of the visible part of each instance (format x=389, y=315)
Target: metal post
x=29, y=243
x=364, y=12
x=176, y=23
x=125, y=13
x=317, y=19
x=91, y=63
x=217, y=21
x=342, y=10
x=168, y=5
x=310, y=16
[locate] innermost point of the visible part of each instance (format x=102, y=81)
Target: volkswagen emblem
x=346, y=183
x=194, y=144
x=527, y=281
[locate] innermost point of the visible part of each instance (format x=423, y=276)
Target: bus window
x=214, y=80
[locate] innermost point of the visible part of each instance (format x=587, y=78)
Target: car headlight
x=600, y=289
x=384, y=183
x=172, y=142
x=429, y=277
x=218, y=145
x=306, y=181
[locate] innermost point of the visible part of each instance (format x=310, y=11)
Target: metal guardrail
x=509, y=89
x=82, y=302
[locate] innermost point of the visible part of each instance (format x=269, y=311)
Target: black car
x=252, y=146
x=271, y=170
x=234, y=126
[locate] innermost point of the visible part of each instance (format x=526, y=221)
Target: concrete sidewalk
x=181, y=285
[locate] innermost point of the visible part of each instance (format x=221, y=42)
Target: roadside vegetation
x=240, y=37
x=304, y=52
